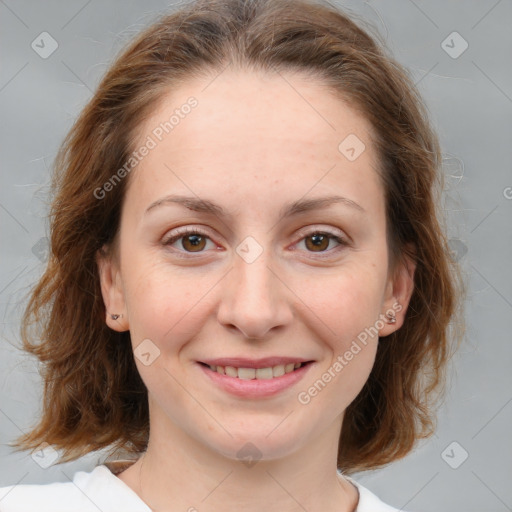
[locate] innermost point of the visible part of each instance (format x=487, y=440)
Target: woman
x=249, y=289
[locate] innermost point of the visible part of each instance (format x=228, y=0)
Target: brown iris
x=320, y=242
x=197, y=242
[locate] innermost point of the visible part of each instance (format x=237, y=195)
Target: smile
x=269, y=372
x=255, y=379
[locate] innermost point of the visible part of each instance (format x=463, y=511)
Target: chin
x=248, y=445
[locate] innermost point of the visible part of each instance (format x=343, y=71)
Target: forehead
x=249, y=129
x=246, y=107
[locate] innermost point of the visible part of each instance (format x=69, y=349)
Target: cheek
x=163, y=305
x=346, y=301
x=165, y=311
x=345, y=308
x=355, y=320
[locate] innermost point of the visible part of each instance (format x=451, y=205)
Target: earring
x=391, y=318
x=115, y=317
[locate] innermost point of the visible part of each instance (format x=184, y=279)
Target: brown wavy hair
x=94, y=397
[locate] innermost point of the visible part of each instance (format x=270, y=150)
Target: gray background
x=470, y=100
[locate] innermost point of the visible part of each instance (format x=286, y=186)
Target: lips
x=256, y=378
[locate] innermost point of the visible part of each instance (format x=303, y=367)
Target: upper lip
x=242, y=362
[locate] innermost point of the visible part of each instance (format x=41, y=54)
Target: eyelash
x=183, y=232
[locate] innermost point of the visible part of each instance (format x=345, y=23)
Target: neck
x=179, y=473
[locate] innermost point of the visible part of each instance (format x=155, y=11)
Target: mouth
x=255, y=379
x=254, y=372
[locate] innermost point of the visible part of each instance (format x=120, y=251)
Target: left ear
x=398, y=293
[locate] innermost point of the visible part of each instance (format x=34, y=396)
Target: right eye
x=193, y=239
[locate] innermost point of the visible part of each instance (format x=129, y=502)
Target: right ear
x=112, y=290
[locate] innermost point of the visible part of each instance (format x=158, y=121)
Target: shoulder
x=91, y=491
x=368, y=501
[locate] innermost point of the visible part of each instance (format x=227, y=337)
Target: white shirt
x=101, y=490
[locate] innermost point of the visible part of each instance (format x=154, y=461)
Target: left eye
x=194, y=240
x=320, y=240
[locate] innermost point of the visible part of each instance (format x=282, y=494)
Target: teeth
x=231, y=372
x=277, y=371
x=246, y=373
x=256, y=373
x=263, y=373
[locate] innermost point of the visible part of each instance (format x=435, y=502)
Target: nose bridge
x=254, y=301
x=253, y=280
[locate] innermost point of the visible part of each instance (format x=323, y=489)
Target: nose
x=255, y=298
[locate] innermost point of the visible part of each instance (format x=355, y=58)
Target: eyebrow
x=300, y=206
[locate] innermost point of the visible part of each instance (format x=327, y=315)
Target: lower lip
x=256, y=388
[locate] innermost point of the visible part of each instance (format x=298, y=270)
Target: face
x=251, y=282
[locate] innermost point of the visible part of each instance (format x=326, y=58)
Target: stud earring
x=115, y=317
x=391, y=318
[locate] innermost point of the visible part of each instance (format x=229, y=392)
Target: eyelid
x=318, y=228
x=179, y=232
x=184, y=230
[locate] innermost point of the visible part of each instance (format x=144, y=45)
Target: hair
x=94, y=397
